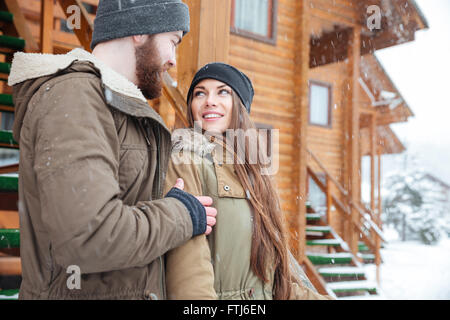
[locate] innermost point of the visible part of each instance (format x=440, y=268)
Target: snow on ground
x=413, y=271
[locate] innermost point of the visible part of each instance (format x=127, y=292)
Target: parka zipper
x=158, y=194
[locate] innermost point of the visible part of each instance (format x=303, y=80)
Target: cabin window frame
x=272, y=24
x=329, y=86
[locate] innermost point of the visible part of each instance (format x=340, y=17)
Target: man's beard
x=149, y=69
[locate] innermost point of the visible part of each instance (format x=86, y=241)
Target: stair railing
x=365, y=218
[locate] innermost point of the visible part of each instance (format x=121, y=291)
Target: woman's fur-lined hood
x=191, y=140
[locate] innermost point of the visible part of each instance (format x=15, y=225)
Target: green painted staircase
x=365, y=254
x=9, y=294
x=6, y=102
x=12, y=43
x=331, y=256
x=9, y=238
x=9, y=183
x=7, y=140
x=6, y=17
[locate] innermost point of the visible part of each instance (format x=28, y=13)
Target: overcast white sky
x=421, y=72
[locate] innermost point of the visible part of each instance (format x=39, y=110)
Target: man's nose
x=172, y=63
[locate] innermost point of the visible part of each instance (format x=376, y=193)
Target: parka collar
x=27, y=66
x=117, y=89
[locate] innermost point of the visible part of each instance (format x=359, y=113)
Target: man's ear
x=139, y=40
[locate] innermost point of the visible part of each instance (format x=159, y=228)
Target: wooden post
x=329, y=201
x=47, y=17
x=376, y=215
x=166, y=112
x=378, y=241
x=84, y=32
x=207, y=41
x=329, y=205
x=352, y=143
x=372, y=160
x=301, y=78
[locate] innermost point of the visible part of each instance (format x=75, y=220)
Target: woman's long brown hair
x=269, y=242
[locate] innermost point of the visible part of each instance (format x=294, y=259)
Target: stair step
x=313, y=216
x=324, y=242
x=362, y=247
x=324, y=229
x=7, y=140
x=6, y=16
x=9, y=182
x=329, y=258
x=342, y=272
x=12, y=42
x=9, y=238
x=6, y=99
x=352, y=286
x=367, y=257
x=5, y=68
x=12, y=294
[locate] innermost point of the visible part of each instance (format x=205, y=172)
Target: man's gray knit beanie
x=123, y=18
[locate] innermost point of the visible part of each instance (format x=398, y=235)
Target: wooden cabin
x=316, y=80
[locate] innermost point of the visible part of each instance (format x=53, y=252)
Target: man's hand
x=206, y=202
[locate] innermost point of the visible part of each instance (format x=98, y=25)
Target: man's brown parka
x=93, y=156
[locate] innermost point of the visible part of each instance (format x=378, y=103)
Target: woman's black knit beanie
x=225, y=73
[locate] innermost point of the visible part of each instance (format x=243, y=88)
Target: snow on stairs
x=334, y=262
x=342, y=288
x=9, y=294
x=329, y=258
x=365, y=254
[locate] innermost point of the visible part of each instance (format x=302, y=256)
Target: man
x=93, y=154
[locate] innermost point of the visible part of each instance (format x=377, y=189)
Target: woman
x=246, y=255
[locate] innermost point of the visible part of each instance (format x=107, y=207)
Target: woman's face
x=212, y=104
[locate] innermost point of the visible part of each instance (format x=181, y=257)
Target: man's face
x=156, y=55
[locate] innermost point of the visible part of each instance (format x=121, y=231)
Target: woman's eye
x=224, y=92
x=198, y=93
